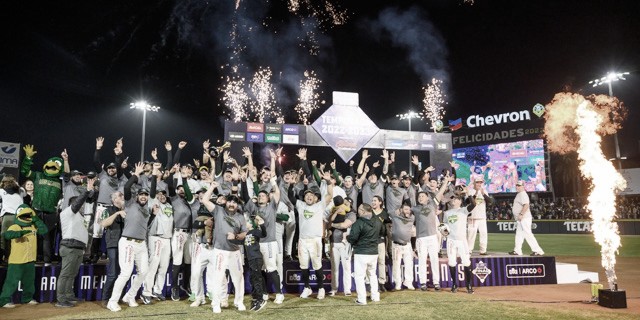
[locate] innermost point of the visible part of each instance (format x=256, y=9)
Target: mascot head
x=24, y=215
x=53, y=167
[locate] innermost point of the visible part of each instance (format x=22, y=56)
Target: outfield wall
x=626, y=227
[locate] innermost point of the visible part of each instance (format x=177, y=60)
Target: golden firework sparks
x=434, y=102
x=308, y=100
x=263, y=103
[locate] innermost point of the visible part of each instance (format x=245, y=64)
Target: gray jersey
x=224, y=187
x=394, y=198
x=70, y=190
x=108, y=185
x=181, y=213
x=136, y=221
x=456, y=220
x=311, y=219
x=352, y=193
x=225, y=223
x=401, y=228
x=337, y=234
x=72, y=225
x=370, y=190
x=162, y=224
x=412, y=193
x=268, y=214
x=426, y=219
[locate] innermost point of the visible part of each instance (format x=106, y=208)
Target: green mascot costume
x=23, y=256
x=46, y=193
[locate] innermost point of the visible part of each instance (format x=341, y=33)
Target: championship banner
x=346, y=129
x=10, y=158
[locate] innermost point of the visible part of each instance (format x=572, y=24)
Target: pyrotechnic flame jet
x=571, y=116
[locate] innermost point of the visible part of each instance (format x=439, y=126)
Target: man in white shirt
x=522, y=215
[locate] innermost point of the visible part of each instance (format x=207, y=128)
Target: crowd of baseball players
x=211, y=219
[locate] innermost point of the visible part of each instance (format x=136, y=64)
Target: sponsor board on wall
x=625, y=227
x=10, y=158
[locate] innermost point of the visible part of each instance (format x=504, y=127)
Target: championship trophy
x=215, y=152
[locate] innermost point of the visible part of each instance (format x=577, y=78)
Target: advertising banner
x=10, y=158
x=626, y=227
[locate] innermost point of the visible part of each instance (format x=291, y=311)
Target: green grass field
x=582, y=245
x=400, y=305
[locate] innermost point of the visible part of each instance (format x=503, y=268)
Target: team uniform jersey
x=401, y=228
x=456, y=220
x=369, y=190
x=426, y=219
x=225, y=223
x=311, y=219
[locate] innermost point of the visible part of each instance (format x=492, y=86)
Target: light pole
x=144, y=106
x=610, y=77
x=409, y=115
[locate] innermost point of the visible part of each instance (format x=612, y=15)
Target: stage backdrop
x=487, y=271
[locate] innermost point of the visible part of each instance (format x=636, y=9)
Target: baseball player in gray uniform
x=426, y=234
x=402, y=221
x=229, y=224
x=132, y=247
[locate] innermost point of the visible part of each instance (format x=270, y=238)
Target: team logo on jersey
x=249, y=240
x=168, y=211
x=481, y=271
x=452, y=219
x=307, y=214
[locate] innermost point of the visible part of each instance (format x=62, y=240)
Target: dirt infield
x=570, y=296
x=544, y=297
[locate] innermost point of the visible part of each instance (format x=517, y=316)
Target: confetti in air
x=571, y=117
x=433, y=102
x=308, y=100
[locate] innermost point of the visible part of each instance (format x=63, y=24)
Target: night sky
x=71, y=68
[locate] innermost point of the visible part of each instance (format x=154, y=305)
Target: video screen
x=502, y=165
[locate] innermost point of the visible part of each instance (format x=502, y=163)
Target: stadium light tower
x=144, y=106
x=608, y=79
x=408, y=116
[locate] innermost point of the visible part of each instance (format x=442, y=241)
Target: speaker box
x=612, y=299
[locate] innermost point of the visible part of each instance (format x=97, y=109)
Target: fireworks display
x=235, y=97
x=571, y=117
x=262, y=107
x=434, y=102
x=308, y=100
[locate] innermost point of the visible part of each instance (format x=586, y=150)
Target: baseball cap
x=233, y=198
x=75, y=172
x=394, y=177
x=205, y=168
x=112, y=165
x=143, y=191
x=405, y=177
x=188, y=165
x=520, y=183
x=478, y=179
x=201, y=190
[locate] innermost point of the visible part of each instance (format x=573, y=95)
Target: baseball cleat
x=113, y=306
x=279, y=298
x=306, y=293
x=320, y=293
x=454, y=288
x=130, y=300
